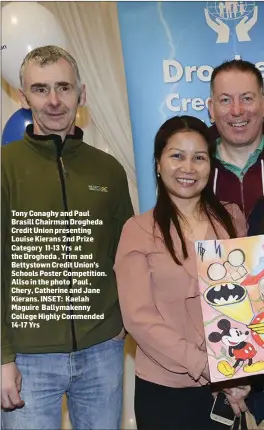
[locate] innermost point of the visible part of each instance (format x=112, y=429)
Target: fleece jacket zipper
x=62, y=174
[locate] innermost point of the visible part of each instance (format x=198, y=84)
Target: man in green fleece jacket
x=64, y=204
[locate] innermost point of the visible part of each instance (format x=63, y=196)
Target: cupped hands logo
x=219, y=14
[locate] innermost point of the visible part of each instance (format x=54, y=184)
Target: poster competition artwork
x=231, y=283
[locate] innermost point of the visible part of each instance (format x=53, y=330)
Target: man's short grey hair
x=48, y=55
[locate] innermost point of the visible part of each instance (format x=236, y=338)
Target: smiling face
x=184, y=165
x=237, y=106
x=53, y=95
x=235, y=337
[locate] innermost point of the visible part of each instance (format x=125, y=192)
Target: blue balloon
x=16, y=126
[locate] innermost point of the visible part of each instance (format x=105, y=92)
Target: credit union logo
x=219, y=15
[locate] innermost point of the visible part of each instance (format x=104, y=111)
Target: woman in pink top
x=158, y=288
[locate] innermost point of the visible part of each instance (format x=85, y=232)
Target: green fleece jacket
x=63, y=208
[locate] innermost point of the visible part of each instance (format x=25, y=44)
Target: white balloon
x=26, y=26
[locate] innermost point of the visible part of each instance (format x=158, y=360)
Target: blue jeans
x=92, y=380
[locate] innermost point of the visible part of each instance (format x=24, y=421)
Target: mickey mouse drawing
x=243, y=351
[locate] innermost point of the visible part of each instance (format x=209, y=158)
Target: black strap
x=240, y=422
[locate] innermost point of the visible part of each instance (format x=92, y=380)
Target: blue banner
x=170, y=50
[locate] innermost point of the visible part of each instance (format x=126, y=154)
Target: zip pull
x=62, y=165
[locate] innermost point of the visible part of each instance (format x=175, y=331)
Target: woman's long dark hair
x=165, y=210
